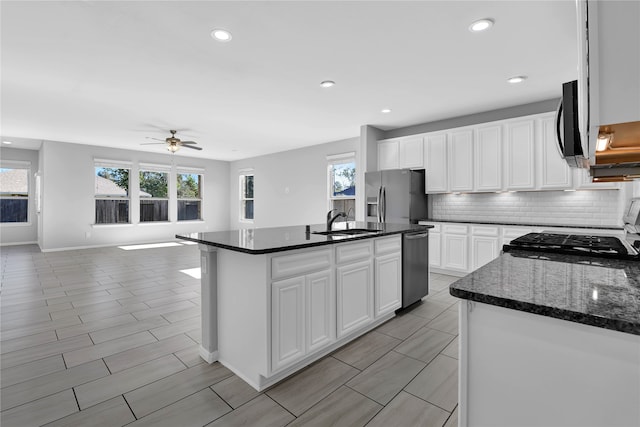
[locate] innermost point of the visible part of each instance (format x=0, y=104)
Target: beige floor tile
x=406, y=410
x=259, y=412
x=402, y=326
x=453, y=419
x=45, y=385
x=30, y=354
x=344, y=407
x=429, y=309
x=28, y=371
x=105, y=314
x=163, y=309
x=40, y=411
x=446, y=322
x=425, y=344
x=136, y=356
x=114, y=412
x=28, y=341
x=367, y=349
x=87, y=309
x=95, y=325
x=107, y=348
x=184, y=314
x=36, y=328
x=13, y=321
x=234, y=391
x=452, y=349
x=176, y=328
x=106, y=388
x=437, y=383
x=190, y=355
x=10, y=308
x=112, y=333
x=306, y=388
x=386, y=377
x=171, y=298
x=166, y=391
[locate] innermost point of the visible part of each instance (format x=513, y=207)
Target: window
x=14, y=192
x=112, y=194
x=189, y=186
x=342, y=183
x=154, y=196
x=246, y=197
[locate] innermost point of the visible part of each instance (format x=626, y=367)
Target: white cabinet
x=388, y=275
x=455, y=247
x=435, y=148
x=519, y=155
x=488, y=158
x=553, y=171
x=354, y=283
x=460, y=160
x=287, y=322
x=584, y=181
x=484, y=245
x=388, y=155
x=320, y=310
x=509, y=233
x=411, y=153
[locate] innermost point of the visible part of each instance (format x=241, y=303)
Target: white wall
x=68, y=209
x=290, y=187
x=11, y=234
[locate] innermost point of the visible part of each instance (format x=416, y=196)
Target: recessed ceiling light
x=327, y=83
x=385, y=110
x=481, y=25
x=7, y=142
x=517, y=79
x=221, y=35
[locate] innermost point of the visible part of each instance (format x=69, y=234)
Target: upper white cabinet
x=460, y=160
x=488, y=158
x=388, y=155
x=435, y=149
x=519, y=155
x=553, y=172
x=401, y=153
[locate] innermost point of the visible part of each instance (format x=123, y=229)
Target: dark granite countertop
x=599, y=292
x=598, y=227
x=257, y=241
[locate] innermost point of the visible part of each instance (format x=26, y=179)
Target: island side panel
x=243, y=317
x=522, y=367
x=209, y=303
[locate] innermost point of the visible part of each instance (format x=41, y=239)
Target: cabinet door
x=388, y=283
x=435, y=256
x=354, y=284
x=320, y=314
x=461, y=161
x=554, y=172
x=287, y=321
x=488, y=159
x=388, y=155
x=455, y=252
x=483, y=249
x=436, y=163
x=411, y=153
x=519, y=160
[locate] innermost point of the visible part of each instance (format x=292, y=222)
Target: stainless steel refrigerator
x=396, y=196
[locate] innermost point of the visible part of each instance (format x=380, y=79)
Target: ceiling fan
x=173, y=143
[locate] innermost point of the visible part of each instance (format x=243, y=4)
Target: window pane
x=14, y=182
x=188, y=186
x=154, y=184
x=112, y=211
x=112, y=182
x=154, y=210
x=14, y=210
x=188, y=210
x=343, y=178
x=247, y=209
x=248, y=187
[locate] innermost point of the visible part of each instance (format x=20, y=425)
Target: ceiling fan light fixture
x=221, y=35
x=173, y=147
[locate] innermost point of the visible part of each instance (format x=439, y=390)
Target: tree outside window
x=154, y=196
x=189, y=196
x=112, y=195
x=342, y=187
x=246, y=197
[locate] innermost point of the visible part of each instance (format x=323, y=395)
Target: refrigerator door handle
x=384, y=205
x=379, y=201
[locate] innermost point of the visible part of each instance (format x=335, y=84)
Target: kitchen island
x=276, y=299
x=549, y=339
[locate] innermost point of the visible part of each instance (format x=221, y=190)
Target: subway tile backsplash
x=580, y=208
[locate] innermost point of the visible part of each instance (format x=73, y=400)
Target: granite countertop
x=598, y=227
x=257, y=241
x=599, y=292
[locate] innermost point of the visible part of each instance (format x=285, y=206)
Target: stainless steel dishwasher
x=415, y=267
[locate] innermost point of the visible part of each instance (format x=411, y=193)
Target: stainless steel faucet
x=331, y=219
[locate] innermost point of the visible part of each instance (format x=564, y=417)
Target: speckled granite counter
x=514, y=224
x=594, y=291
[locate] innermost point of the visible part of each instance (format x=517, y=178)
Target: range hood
x=617, y=153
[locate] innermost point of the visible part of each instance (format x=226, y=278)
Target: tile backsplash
x=580, y=208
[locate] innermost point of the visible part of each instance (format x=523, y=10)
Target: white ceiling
x=114, y=72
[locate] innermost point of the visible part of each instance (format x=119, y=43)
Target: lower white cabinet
x=455, y=247
x=354, y=285
x=484, y=245
x=320, y=306
x=388, y=283
x=435, y=252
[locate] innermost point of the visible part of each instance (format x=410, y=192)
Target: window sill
x=111, y=225
x=16, y=224
x=190, y=221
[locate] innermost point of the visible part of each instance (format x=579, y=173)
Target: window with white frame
x=246, y=196
x=154, y=192
x=112, y=195
x=189, y=189
x=341, y=173
x=14, y=192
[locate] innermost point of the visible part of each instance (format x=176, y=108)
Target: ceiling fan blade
x=152, y=143
x=155, y=139
x=188, y=142
x=192, y=147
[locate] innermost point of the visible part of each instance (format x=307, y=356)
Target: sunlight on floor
x=149, y=246
x=193, y=272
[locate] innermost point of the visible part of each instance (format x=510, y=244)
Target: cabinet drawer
x=391, y=244
x=484, y=231
x=455, y=229
x=300, y=263
x=353, y=252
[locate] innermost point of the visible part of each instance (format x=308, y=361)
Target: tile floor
x=109, y=337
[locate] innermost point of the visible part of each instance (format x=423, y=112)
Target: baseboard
x=18, y=244
x=208, y=357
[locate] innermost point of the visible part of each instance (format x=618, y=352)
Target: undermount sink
x=347, y=232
